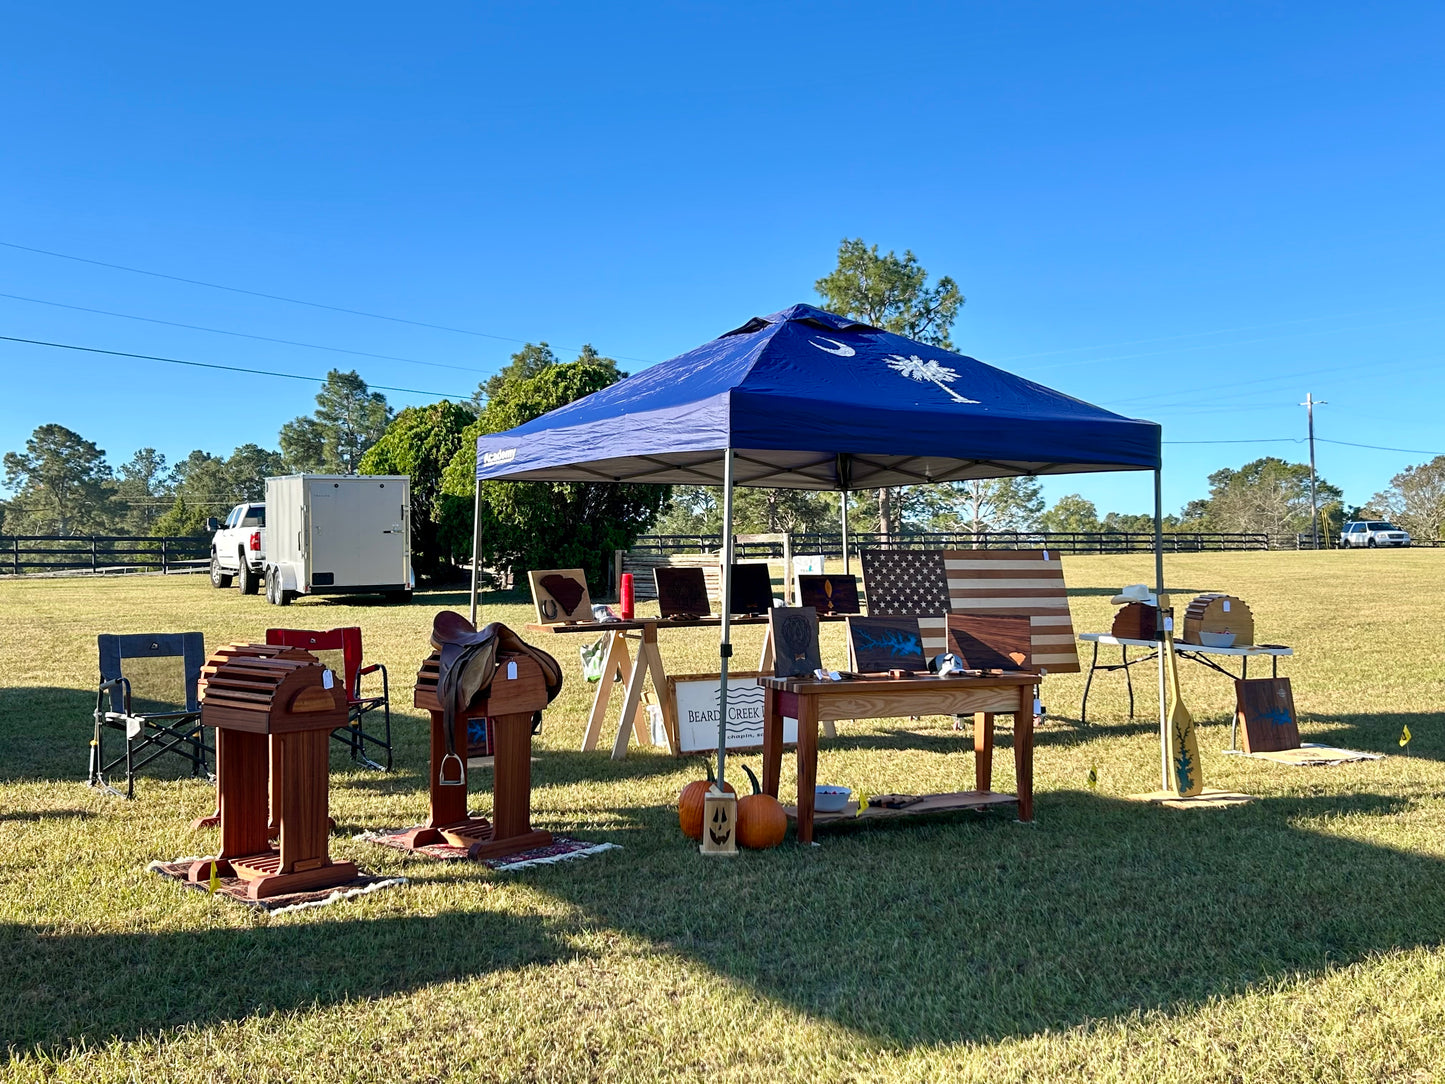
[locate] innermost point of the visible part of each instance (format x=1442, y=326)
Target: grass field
x=1298, y=938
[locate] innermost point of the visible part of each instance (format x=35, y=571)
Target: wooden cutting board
x=1265, y=710
x=991, y=641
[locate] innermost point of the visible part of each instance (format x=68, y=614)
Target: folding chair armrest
x=373, y=668
x=109, y=686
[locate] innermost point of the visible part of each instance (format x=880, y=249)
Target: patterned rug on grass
x=563, y=848
x=234, y=888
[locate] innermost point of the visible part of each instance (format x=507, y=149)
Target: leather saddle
x=468, y=660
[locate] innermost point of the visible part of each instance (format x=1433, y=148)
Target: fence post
x=17, y=555
x=165, y=565
x=94, y=555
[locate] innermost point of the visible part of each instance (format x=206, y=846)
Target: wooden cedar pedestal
x=517, y=693
x=219, y=658
x=273, y=718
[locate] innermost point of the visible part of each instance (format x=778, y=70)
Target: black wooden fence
x=1064, y=542
x=32, y=554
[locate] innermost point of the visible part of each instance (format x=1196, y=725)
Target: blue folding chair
x=148, y=692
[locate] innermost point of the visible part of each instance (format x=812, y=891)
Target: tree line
x=63, y=483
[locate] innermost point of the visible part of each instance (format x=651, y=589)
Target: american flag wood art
x=1026, y=583
x=929, y=584
x=906, y=583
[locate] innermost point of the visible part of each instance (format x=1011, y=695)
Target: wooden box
x=1136, y=621
x=1216, y=612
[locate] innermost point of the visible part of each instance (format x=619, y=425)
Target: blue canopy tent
x=805, y=399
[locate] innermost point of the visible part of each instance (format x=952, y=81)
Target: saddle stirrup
x=460, y=779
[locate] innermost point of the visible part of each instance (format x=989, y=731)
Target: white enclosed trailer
x=338, y=534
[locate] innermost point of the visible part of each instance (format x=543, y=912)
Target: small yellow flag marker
x=1093, y=778
x=215, y=879
x=862, y=802
x=1405, y=736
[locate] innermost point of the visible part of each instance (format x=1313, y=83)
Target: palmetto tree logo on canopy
x=915, y=368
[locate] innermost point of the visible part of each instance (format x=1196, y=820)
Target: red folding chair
x=340, y=649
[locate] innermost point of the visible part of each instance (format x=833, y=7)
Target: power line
x=243, y=334
x=1301, y=440
x=1252, y=440
x=213, y=365
x=1377, y=447
x=282, y=297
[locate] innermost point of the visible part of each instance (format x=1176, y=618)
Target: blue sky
x=1194, y=213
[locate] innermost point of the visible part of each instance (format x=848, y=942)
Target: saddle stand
x=517, y=692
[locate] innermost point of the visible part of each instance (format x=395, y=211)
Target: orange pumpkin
x=689, y=803
x=761, y=820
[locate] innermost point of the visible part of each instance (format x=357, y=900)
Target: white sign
x=695, y=701
x=811, y=565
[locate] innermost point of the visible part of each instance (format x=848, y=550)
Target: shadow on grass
x=1381, y=733
x=62, y=990
x=37, y=815
x=971, y=928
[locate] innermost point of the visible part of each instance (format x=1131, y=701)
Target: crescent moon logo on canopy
x=843, y=351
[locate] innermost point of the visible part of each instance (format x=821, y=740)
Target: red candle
x=627, y=597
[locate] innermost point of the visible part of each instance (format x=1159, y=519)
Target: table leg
x=807, y=764
x=1128, y=681
x=772, y=743
x=1024, y=752
x=630, y=703
x=617, y=658
x=765, y=657
x=1089, y=681
x=983, y=751
x=653, y=656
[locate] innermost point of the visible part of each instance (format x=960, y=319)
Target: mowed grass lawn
x=1297, y=938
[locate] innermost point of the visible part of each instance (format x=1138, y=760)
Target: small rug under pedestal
x=563, y=849
x=234, y=888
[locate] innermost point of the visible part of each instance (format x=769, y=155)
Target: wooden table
x=881, y=697
x=1194, y=652
x=648, y=663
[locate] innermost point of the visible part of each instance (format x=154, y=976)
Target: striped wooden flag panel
x=1025, y=582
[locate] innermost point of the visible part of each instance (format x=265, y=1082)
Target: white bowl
x=1217, y=639
x=831, y=799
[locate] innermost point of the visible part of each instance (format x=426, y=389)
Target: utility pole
x=1309, y=404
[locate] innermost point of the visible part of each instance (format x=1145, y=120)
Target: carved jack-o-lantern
x=719, y=823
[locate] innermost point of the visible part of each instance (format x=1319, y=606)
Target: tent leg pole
x=476, y=545
x=1159, y=633
x=843, y=504
x=725, y=647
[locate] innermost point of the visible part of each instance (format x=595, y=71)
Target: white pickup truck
x=238, y=547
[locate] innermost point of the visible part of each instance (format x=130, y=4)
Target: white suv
x=1363, y=533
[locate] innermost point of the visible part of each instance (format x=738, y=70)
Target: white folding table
x=1194, y=652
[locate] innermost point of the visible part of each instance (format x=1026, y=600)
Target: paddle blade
x=1183, y=742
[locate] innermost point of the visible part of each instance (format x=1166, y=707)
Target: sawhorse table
x=618, y=659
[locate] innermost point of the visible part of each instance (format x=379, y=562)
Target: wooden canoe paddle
x=1183, y=743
